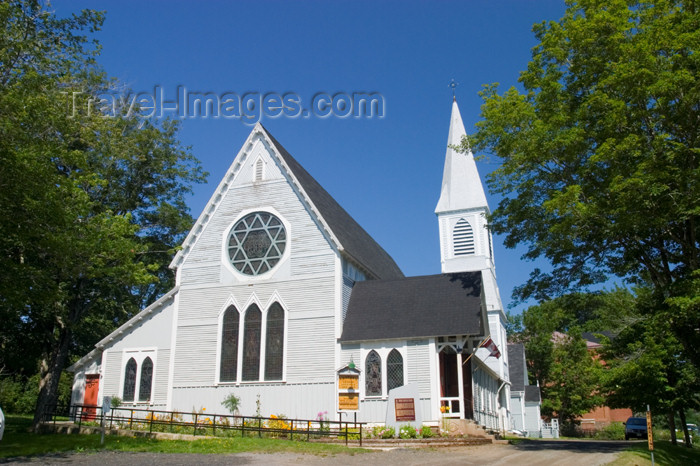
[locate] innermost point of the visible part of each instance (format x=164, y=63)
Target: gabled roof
x=516, y=366
x=355, y=242
x=343, y=231
x=155, y=306
x=532, y=393
x=415, y=307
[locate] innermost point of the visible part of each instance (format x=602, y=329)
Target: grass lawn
x=17, y=441
x=665, y=454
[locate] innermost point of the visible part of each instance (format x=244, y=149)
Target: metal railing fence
x=201, y=423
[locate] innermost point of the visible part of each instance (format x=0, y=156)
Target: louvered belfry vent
x=463, y=238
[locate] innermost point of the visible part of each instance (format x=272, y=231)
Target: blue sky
x=386, y=172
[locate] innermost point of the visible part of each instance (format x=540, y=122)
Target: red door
x=92, y=387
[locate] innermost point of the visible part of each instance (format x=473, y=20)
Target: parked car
x=636, y=427
x=2, y=423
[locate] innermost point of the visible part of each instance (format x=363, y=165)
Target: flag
x=491, y=346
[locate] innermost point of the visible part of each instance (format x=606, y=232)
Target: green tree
x=573, y=388
x=91, y=208
x=646, y=366
x=599, y=154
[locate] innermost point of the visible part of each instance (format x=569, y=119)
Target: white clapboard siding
x=351, y=353
x=111, y=378
x=300, y=401
x=195, y=357
x=305, y=237
x=347, y=290
x=310, y=355
x=418, y=362
x=160, y=384
x=201, y=275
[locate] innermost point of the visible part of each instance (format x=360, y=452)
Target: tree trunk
x=686, y=434
x=51, y=369
x=672, y=426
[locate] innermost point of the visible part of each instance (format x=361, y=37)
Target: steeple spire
x=461, y=185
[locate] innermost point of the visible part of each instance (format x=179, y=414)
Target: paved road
x=542, y=452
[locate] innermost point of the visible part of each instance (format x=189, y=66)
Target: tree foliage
x=91, y=208
x=569, y=375
x=600, y=154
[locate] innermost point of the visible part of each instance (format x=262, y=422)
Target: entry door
x=92, y=388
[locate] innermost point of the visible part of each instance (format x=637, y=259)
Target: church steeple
x=465, y=242
x=461, y=185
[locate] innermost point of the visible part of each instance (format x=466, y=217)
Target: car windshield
x=636, y=421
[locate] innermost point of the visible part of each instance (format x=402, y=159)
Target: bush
x=407, y=431
x=613, y=431
x=426, y=432
x=18, y=394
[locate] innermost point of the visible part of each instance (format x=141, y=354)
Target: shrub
x=426, y=432
x=387, y=432
x=613, y=431
x=407, y=431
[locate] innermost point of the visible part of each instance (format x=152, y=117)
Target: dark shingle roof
x=595, y=337
x=354, y=240
x=516, y=366
x=433, y=305
x=532, y=393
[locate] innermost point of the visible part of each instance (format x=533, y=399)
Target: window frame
x=264, y=310
x=139, y=355
x=383, y=351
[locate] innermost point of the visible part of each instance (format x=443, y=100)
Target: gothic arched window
x=251, y=343
x=394, y=370
x=463, y=238
x=373, y=374
x=274, y=343
x=229, y=345
x=129, y=380
x=146, y=381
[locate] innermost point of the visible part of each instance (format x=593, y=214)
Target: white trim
x=231, y=301
x=226, y=232
x=258, y=134
x=383, y=349
x=139, y=354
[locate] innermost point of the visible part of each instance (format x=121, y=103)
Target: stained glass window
x=373, y=374
x=256, y=243
x=129, y=380
x=146, y=380
x=394, y=370
x=251, y=343
x=274, y=343
x=229, y=345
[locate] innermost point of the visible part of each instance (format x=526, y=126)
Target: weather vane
x=453, y=84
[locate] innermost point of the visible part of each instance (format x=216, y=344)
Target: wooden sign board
x=348, y=401
x=405, y=409
x=346, y=382
x=650, y=435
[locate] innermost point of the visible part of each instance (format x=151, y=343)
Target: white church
x=279, y=291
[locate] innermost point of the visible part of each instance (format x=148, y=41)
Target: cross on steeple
x=453, y=84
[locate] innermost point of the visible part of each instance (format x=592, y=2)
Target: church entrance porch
x=455, y=379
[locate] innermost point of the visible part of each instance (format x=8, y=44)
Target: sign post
x=650, y=435
x=106, y=408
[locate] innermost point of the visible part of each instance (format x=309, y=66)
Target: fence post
x=259, y=427
x=111, y=418
x=308, y=430
x=346, y=434
x=80, y=419
x=360, y=433
x=150, y=427
x=243, y=427
x=213, y=429
x=131, y=419
x=196, y=415
x=291, y=430
x=172, y=413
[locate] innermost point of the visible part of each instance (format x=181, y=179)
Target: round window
x=256, y=243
